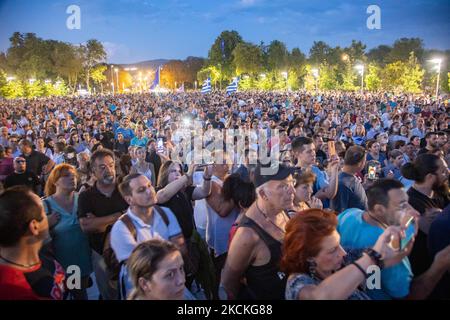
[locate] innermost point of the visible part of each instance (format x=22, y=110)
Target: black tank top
x=265, y=282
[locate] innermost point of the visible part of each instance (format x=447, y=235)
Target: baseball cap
x=276, y=171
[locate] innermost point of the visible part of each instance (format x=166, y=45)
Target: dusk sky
x=134, y=30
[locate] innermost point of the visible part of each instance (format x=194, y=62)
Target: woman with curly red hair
x=319, y=268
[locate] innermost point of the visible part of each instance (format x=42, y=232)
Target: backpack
x=109, y=256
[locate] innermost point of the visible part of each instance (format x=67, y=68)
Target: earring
x=312, y=265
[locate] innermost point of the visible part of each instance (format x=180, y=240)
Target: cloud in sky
x=137, y=30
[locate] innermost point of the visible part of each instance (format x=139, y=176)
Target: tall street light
x=438, y=62
x=117, y=78
x=360, y=68
x=315, y=73
x=112, y=78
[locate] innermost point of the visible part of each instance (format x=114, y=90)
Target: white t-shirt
x=123, y=242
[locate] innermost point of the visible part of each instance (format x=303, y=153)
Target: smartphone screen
x=160, y=145
x=409, y=234
x=372, y=173
x=331, y=148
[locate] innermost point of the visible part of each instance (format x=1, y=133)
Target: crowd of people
x=354, y=203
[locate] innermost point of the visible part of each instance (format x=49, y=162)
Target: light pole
x=360, y=68
x=438, y=62
x=285, y=76
x=112, y=78
x=117, y=78
x=315, y=73
x=195, y=83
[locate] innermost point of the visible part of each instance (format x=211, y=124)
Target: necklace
x=382, y=224
x=26, y=266
x=268, y=220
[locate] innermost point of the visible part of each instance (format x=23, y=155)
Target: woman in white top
x=40, y=146
x=141, y=166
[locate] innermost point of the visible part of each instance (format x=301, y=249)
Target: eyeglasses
x=20, y=161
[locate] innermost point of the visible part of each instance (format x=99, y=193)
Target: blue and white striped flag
x=233, y=86
x=155, y=83
x=206, y=86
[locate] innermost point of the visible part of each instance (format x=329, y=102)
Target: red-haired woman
x=316, y=263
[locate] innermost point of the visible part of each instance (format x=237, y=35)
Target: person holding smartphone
x=388, y=206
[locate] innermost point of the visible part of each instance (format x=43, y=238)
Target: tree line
x=32, y=66
x=402, y=67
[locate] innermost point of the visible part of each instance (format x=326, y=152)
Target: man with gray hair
x=255, y=249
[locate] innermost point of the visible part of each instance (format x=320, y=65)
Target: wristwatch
x=375, y=256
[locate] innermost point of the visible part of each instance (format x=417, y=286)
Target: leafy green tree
x=34, y=89
x=93, y=53
x=247, y=59
x=327, y=77
x=391, y=76
x=372, y=79
x=379, y=54
x=319, y=52
x=222, y=59
x=402, y=48
x=412, y=75
x=278, y=56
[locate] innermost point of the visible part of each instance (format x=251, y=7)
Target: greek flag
x=206, y=86
x=181, y=89
x=232, y=87
x=155, y=83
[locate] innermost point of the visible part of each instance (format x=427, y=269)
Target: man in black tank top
x=255, y=250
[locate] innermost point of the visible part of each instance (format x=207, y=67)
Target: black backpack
x=109, y=256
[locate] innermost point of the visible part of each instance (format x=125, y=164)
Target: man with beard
x=431, y=139
x=255, y=250
x=430, y=175
x=98, y=209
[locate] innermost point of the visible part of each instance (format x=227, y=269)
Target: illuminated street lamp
x=112, y=78
x=438, y=62
x=117, y=78
x=315, y=73
x=263, y=75
x=31, y=81
x=10, y=78
x=360, y=68
x=47, y=81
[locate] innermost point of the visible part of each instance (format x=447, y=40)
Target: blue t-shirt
x=128, y=133
x=136, y=142
x=357, y=234
x=320, y=183
x=70, y=244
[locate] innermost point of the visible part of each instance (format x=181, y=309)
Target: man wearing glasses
x=21, y=176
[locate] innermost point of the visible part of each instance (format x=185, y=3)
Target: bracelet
x=375, y=256
x=360, y=268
